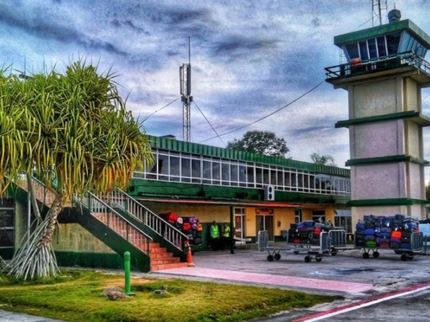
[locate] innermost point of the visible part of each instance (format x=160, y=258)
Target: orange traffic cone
x=190, y=258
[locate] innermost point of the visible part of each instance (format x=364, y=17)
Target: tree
x=260, y=142
x=323, y=159
x=74, y=132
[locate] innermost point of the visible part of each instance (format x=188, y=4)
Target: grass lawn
x=78, y=295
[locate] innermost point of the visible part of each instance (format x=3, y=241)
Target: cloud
x=248, y=58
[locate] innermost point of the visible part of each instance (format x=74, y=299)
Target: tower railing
x=356, y=66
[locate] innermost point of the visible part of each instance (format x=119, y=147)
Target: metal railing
x=397, y=60
x=98, y=209
x=115, y=221
x=131, y=206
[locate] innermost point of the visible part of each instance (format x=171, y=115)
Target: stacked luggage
x=190, y=226
x=386, y=232
x=307, y=232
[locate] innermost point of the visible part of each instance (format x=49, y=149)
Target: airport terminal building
x=251, y=192
x=263, y=192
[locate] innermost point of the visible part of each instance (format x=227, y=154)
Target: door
x=239, y=222
x=265, y=222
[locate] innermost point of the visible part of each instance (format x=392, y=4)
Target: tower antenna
x=186, y=98
x=379, y=10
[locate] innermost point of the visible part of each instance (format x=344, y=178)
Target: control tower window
x=409, y=43
x=352, y=50
x=373, y=52
x=393, y=41
x=364, y=54
x=382, y=46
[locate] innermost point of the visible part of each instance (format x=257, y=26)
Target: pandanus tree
x=73, y=131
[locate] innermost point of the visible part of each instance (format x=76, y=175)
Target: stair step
x=160, y=250
x=160, y=255
x=160, y=267
x=168, y=260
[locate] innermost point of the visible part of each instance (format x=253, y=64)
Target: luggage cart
x=324, y=247
x=337, y=241
x=417, y=247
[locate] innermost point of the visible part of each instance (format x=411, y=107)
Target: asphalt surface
x=348, y=274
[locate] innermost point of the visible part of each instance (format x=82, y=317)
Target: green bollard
x=127, y=274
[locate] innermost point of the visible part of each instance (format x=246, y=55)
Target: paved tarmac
x=347, y=274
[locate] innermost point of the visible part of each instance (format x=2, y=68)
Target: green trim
x=386, y=159
x=167, y=143
x=95, y=260
x=415, y=116
x=386, y=202
x=386, y=29
x=173, y=190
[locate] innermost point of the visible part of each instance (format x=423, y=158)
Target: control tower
x=384, y=75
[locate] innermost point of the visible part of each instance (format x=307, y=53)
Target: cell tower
x=186, y=98
x=379, y=10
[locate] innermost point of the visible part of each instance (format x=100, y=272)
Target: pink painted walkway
x=276, y=280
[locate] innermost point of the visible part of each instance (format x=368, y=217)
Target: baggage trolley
x=417, y=246
x=324, y=247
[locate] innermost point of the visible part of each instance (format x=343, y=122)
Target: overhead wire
x=209, y=123
x=276, y=111
x=161, y=108
x=252, y=123
x=268, y=115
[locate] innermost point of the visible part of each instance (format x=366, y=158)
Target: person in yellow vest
x=214, y=236
x=225, y=236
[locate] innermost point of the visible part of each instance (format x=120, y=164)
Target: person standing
x=226, y=236
x=214, y=236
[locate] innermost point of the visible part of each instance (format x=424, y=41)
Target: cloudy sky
x=256, y=65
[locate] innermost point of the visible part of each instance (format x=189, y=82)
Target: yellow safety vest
x=226, y=232
x=214, y=231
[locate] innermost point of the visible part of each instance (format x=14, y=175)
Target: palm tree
x=81, y=137
x=323, y=159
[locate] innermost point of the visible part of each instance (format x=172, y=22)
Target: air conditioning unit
x=269, y=193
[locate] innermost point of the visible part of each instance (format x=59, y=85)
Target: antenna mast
x=186, y=98
x=379, y=10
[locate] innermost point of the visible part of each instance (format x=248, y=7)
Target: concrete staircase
x=161, y=259
x=159, y=256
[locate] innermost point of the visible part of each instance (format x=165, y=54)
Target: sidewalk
x=347, y=273
x=250, y=266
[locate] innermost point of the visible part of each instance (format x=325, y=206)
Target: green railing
x=100, y=210
x=115, y=221
x=158, y=225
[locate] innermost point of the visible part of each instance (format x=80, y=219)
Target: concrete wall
x=391, y=180
x=72, y=237
x=377, y=139
x=376, y=98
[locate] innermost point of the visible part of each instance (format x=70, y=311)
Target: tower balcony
x=407, y=64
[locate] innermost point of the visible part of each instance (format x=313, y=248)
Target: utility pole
x=186, y=98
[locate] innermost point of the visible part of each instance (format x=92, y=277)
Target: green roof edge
x=389, y=28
